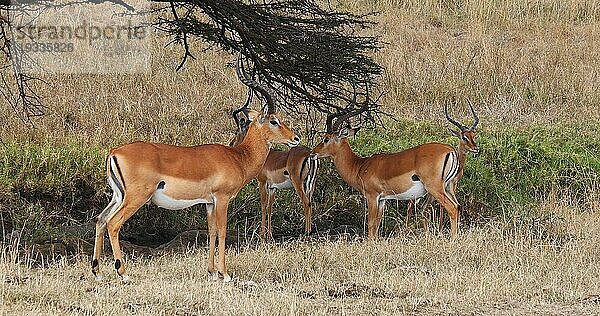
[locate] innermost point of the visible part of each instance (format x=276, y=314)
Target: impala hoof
x=98, y=277
x=214, y=276
x=125, y=279
x=227, y=278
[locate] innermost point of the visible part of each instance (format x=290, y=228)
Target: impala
x=176, y=177
x=407, y=175
x=466, y=144
x=283, y=170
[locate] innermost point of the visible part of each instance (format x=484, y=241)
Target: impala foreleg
x=262, y=187
x=267, y=197
x=373, y=219
x=221, y=221
x=269, y=211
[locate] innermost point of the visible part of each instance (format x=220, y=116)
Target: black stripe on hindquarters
x=415, y=178
x=304, y=184
x=161, y=185
x=120, y=186
x=445, y=163
x=120, y=173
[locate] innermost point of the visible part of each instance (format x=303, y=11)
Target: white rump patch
x=163, y=200
x=416, y=191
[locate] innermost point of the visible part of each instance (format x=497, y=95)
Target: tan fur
x=279, y=161
x=391, y=174
x=273, y=172
x=212, y=172
x=466, y=144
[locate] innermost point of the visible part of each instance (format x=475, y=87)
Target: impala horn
x=267, y=93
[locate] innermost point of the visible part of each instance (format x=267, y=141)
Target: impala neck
x=462, y=157
x=253, y=151
x=462, y=153
x=347, y=164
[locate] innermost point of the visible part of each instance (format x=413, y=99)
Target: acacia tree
x=315, y=58
x=16, y=85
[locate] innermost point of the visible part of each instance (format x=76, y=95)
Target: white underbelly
x=415, y=192
x=161, y=199
x=287, y=184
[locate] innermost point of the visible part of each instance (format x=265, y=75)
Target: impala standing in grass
x=283, y=170
x=407, y=175
x=466, y=144
x=176, y=177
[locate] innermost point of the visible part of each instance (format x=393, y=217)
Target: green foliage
x=47, y=166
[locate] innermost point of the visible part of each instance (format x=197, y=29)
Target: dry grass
x=549, y=266
x=522, y=63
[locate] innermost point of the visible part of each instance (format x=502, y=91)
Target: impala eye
x=325, y=140
x=274, y=123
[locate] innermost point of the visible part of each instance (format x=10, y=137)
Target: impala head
x=336, y=135
x=332, y=142
x=272, y=129
x=465, y=135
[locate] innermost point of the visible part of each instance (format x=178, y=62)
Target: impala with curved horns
x=406, y=175
x=282, y=170
x=175, y=177
x=466, y=144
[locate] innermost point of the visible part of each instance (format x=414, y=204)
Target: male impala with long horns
x=407, y=175
x=466, y=144
x=175, y=177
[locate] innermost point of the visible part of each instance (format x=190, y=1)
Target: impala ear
x=252, y=115
x=347, y=132
x=454, y=133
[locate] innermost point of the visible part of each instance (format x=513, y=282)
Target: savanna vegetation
x=529, y=236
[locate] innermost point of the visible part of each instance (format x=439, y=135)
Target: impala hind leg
x=129, y=206
x=113, y=205
x=212, y=240
x=305, y=197
x=412, y=205
x=307, y=214
x=306, y=188
x=448, y=201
